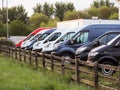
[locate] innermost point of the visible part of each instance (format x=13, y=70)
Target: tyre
x=67, y=58
x=107, y=71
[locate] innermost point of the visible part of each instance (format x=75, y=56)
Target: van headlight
x=93, y=53
x=56, y=46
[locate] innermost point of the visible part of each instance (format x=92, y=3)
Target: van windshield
x=67, y=36
x=54, y=36
x=36, y=37
x=42, y=37
x=30, y=36
x=81, y=38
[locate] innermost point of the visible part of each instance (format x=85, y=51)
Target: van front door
x=79, y=40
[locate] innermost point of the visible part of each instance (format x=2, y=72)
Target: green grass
x=21, y=76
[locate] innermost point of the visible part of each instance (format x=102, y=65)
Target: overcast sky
x=29, y=4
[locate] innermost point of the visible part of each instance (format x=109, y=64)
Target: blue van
x=85, y=35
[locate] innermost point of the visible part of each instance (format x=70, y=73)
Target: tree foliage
x=69, y=15
x=61, y=8
x=17, y=27
x=97, y=3
x=2, y=30
x=92, y=11
x=48, y=9
x=104, y=12
x=114, y=16
x=38, y=8
x=37, y=18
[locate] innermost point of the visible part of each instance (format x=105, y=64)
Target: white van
x=29, y=41
x=65, y=35
x=55, y=37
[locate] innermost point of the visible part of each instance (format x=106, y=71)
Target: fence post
x=24, y=55
x=30, y=57
x=12, y=52
x=95, y=76
x=8, y=51
x=119, y=78
x=0, y=48
x=20, y=54
x=52, y=63
x=36, y=61
x=15, y=52
x=77, y=70
x=63, y=65
x=43, y=58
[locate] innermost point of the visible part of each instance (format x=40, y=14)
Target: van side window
x=81, y=38
x=67, y=36
x=107, y=38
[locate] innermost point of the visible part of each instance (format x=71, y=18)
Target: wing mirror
x=96, y=43
x=117, y=44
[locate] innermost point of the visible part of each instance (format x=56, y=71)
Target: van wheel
x=68, y=57
x=107, y=71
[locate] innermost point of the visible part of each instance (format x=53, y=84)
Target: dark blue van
x=85, y=35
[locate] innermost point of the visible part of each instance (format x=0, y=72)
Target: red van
x=29, y=36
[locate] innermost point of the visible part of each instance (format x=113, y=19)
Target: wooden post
x=16, y=53
x=63, y=65
x=30, y=57
x=119, y=78
x=0, y=48
x=77, y=70
x=24, y=55
x=8, y=51
x=36, y=60
x=43, y=58
x=20, y=54
x=52, y=63
x=12, y=52
x=95, y=76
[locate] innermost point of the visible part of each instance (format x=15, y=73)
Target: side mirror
x=117, y=44
x=96, y=43
x=71, y=41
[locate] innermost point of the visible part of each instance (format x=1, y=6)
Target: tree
x=113, y=10
x=2, y=30
x=51, y=23
x=104, y=12
x=101, y=3
x=48, y=9
x=3, y=15
x=92, y=11
x=114, y=16
x=17, y=13
x=70, y=15
x=37, y=8
x=21, y=14
x=60, y=9
x=17, y=27
x=70, y=6
x=37, y=18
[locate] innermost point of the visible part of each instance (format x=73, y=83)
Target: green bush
x=7, y=42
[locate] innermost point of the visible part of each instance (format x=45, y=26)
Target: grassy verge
x=16, y=76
